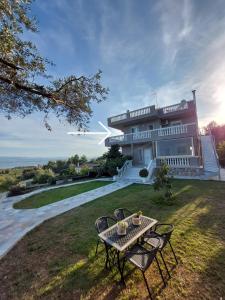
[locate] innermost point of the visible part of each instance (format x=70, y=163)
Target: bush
x=163, y=182
x=221, y=153
x=84, y=171
x=28, y=174
x=143, y=173
x=112, y=165
x=16, y=190
x=43, y=176
x=93, y=173
x=6, y=181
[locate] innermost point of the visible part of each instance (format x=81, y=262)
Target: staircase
x=209, y=155
x=131, y=173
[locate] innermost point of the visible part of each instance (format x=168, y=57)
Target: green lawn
x=56, y=260
x=58, y=194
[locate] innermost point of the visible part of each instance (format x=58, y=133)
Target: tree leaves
x=22, y=69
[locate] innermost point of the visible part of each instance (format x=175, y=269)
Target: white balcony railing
x=148, y=110
x=176, y=107
x=152, y=134
x=176, y=161
x=118, y=118
x=173, y=130
x=140, y=112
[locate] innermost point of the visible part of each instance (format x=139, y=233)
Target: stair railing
x=122, y=170
x=151, y=166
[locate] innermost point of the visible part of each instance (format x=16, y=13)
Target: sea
x=12, y=162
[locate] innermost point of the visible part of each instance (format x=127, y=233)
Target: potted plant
x=144, y=174
x=136, y=220
x=122, y=228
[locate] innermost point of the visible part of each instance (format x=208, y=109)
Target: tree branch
x=32, y=90
x=9, y=64
x=69, y=81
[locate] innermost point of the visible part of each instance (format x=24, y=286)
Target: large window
x=175, y=147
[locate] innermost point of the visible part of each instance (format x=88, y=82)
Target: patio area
x=57, y=259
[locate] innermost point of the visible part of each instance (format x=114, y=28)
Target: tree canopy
x=22, y=69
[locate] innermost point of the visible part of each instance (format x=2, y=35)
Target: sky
x=144, y=48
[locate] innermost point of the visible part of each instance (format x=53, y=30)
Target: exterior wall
x=134, y=151
x=148, y=125
x=143, y=126
x=184, y=109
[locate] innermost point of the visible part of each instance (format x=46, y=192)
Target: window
x=175, y=123
x=150, y=127
x=174, y=147
x=134, y=129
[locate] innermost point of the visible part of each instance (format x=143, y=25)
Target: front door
x=147, y=155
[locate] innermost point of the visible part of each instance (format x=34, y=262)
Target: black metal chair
x=121, y=213
x=142, y=258
x=101, y=224
x=152, y=237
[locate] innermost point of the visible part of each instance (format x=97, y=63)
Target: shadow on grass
x=56, y=260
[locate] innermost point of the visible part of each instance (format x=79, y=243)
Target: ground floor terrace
x=57, y=259
x=181, y=152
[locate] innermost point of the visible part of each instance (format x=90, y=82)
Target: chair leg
x=146, y=283
x=107, y=257
x=165, y=264
x=173, y=252
x=96, y=251
x=160, y=271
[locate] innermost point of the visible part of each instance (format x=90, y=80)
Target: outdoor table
x=122, y=242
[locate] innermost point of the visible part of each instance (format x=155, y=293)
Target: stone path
x=15, y=223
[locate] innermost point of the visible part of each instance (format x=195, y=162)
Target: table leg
x=120, y=268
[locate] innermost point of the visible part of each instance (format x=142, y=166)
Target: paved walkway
x=15, y=223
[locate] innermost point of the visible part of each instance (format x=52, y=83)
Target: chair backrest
x=167, y=234
x=147, y=256
x=121, y=213
x=102, y=223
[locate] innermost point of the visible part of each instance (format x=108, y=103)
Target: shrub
x=28, y=174
x=16, y=190
x=43, y=176
x=6, y=181
x=93, y=173
x=221, y=153
x=143, y=173
x=163, y=182
x=84, y=171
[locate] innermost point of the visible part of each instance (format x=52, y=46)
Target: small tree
x=83, y=159
x=163, y=182
x=221, y=153
x=74, y=159
x=114, y=152
x=114, y=160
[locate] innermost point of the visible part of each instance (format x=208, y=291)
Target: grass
x=58, y=194
x=56, y=260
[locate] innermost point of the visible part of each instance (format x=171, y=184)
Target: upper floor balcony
x=151, y=112
x=179, y=131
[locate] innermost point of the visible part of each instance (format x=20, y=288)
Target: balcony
x=150, y=112
x=184, y=130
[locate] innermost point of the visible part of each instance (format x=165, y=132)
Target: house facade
x=158, y=133
x=167, y=134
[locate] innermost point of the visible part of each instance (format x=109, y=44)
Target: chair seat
x=139, y=256
x=152, y=238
